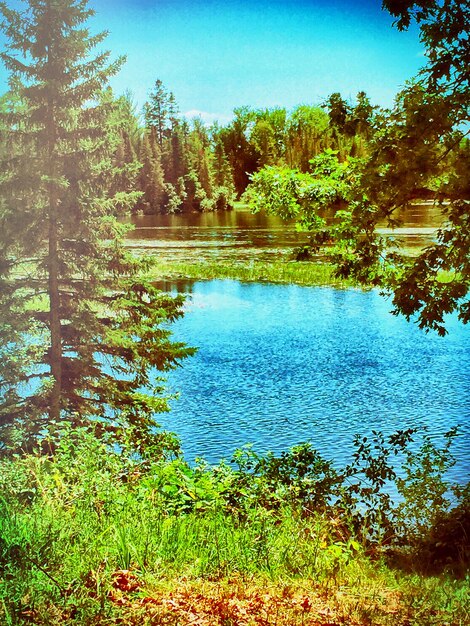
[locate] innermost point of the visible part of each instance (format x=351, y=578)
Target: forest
x=184, y=165
x=103, y=520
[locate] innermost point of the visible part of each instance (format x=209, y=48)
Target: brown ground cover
x=241, y=602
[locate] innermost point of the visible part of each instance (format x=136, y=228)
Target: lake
x=282, y=364
x=242, y=235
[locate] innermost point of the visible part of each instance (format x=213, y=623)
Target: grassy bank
x=88, y=536
x=298, y=273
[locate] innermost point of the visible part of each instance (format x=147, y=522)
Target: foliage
x=217, y=162
x=303, y=196
x=151, y=180
x=186, y=166
x=81, y=334
x=297, y=477
x=363, y=493
x=416, y=150
x=160, y=112
x=72, y=522
x=279, y=271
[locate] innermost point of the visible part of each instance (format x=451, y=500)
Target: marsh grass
x=291, y=272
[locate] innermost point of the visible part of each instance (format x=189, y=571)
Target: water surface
x=281, y=364
x=241, y=235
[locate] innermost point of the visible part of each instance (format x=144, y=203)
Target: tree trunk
x=54, y=312
x=55, y=356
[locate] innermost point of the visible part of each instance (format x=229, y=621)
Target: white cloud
x=208, y=118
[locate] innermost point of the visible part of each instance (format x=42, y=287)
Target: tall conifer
x=151, y=181
x=80, y=335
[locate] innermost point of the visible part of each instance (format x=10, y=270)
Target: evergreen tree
x=200, y=156
x=223, y=189
x=338, y=111
x=362, y=116
x=223, y=175
x=160, y=111
x=123, y=132
x=80, y=335
x=151, y=181
x=176, y=154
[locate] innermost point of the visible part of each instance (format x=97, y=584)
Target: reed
x=290, y=272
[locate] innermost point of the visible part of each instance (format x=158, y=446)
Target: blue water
x=282, y=364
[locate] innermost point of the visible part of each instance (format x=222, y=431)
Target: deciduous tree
x=418, y=147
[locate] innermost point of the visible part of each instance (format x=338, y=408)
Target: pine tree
x=224, y=189
x=175, y=163
x=223, y=175
x=124, y=133
x=160, y=112
x=150, y=180
x=199, y=156
x=81, y=337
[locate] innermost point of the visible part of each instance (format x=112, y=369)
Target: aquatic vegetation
x=292, y=272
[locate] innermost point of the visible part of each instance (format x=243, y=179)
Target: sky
x=215, y=55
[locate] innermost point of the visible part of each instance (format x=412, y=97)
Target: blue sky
x=218, y=54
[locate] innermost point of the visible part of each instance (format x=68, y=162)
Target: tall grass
x=73, y=525
x=299, y=273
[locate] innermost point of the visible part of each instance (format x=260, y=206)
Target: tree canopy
x=418, y=148
x=188, y=166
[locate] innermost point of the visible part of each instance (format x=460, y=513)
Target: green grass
x=87, y=537
x=291, y=272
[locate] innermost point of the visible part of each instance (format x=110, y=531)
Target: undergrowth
x=90, y=535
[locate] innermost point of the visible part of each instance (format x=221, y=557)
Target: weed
x=75, y=526
x=291, y=272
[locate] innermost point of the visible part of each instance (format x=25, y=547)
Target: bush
x=223, y=199
x=71, y=519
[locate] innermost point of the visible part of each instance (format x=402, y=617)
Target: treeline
x=183, y=166
x=186, y=166
x=179, y=165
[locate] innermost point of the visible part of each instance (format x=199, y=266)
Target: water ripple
x=281, y=364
